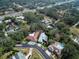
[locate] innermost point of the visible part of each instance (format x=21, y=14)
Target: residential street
x=35, y=46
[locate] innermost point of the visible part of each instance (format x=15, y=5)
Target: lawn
x=5, y=55
x=75, y=30
x=36, y=55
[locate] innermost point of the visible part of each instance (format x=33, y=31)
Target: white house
x=0, y=22
x=56, y=47
x=20, y=17
x=43, y=37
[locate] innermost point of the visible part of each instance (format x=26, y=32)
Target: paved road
x=35, y=46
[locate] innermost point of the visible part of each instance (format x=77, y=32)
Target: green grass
x=6, y=55
x=36, y=55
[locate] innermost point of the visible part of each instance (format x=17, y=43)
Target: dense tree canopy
x=6, y=44
x=70, y=52
x=33, y=17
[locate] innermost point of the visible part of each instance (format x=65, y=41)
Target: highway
x=38, y=48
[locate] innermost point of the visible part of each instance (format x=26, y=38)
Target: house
x=43, y=38
x=48, y=26
x=13, y=57
x=11, y=25
x=20, y=17
x=47, y=20
x=0, y=22
x=56, y=48
x=33, y=36
x=38, y=36
x=19, y=55
x=7, y=21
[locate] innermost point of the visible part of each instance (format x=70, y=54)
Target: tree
x=17, y=36
x=51, y=12
x=6, y=44
x=34, y=27
x=51, y=33
x=37, y=26
x=70, y=52
x=8, y=17
x=32, y=17
x=2, y=26
x=71, y=17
